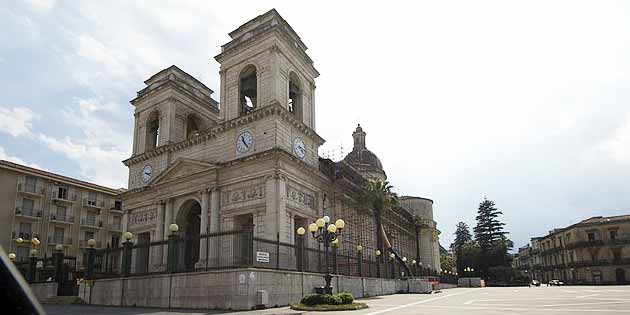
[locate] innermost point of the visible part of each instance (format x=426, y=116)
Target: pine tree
x=462, y=236
x=489, y=229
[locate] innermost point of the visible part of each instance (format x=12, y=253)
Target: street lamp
x=326, y=233
x=171, y=263
x=12, y=256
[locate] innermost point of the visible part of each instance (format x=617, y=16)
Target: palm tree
x=379, y=197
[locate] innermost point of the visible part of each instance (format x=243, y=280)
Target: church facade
x=252, y=158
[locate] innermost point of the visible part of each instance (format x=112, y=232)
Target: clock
x=299, y=148
x=147, y=172
x=244, y=142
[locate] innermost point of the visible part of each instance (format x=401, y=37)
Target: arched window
x=192, y=126
x=152, y=131
x=248, y=90
x=295, y=95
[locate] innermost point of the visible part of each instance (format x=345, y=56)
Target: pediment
x=183, y=168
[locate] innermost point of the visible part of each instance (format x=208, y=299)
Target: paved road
x=519, y=300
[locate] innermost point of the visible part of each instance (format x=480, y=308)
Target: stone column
x=213, y=255
x=168, y=219
x=203, y=229
x=125, y=220
x=159, y=235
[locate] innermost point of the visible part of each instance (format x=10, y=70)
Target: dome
x=363, y=157
x=364, y=160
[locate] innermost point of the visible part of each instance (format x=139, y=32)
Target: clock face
x=244, y=142
x=147, y=172
x=299, y=148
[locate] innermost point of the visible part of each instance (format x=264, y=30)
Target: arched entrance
x=620, y=275
x=189, y=221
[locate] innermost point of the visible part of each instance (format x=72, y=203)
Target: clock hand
x=147, y=173
x=243, y=141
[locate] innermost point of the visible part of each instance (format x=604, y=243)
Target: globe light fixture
x=35, y=241
x=413, y=262
x=12, y=256
x=392, y=256
x=340, y=224
x=301, y=231
x=59, y=247
x=312, y=227
x=359, y=248
x=19, y=240
x=320, y=223
x=33, y=252
x=326, y=219
x=377, y=253
x=404, y=259
x=173, y=228
x=331, y=228
x=335, y=242
x=127, y=236
x=91, y=242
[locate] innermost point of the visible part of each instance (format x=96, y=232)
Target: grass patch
x=327, y=307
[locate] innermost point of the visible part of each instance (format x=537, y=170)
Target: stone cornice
x=274, y=109
x=211, y=105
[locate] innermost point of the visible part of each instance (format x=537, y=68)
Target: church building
x=251, y=159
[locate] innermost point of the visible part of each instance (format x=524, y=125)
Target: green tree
x=379, y=197
x=489, y=229
x=462, y=236
x=490, y=236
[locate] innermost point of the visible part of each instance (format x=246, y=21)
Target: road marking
x=585, y=296
x=419, y=302
x=523, y=309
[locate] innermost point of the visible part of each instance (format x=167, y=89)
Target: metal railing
x=62, y=218
x=94, y=203
x=38, y=190
x=240, y=249
x=28, y=212
x=59, y=240
x=91, y=222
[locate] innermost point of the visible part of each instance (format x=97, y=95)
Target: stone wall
x=43, y=291
x=226, y=289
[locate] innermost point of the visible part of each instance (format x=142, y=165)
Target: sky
x=525, y=103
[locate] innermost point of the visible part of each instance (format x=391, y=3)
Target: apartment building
x=593, y=251
x=56, y=210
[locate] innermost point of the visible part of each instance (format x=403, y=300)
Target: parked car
x=535, y=283
x=556, y=282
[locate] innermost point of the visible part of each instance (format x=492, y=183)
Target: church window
x=248, y=90
x=295, y=95
x=153, y=131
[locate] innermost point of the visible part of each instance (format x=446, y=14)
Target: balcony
x=28, y=213
x=91, y=223
x=599, y=262
x=68, y=219
x=52, y=240
x=36, y=191
x=83, y=244
x=63, y=198
x=93, y=204
x=24, y=235
x=581, y=244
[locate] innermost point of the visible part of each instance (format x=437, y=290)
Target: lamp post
x=421, y=269
x=58, y=258
x=378, y=263
x=359, y=258
x=325, y=233
x=415, y=272
x=391, y=259
x=171, y=264
x=127, y=252
x=91, y=253
x=300, y=243
x=335, y=246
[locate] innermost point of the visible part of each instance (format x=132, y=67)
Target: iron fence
x=240, y=249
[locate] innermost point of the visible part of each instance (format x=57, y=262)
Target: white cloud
x=16, y=121
x=96, y=164
x=41, y=6
x=5, y=156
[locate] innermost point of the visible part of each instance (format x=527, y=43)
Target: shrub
x=346, y=297
x=332, y=299
x=319, y=299
x=312, y=299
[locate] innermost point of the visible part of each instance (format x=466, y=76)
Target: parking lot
x=469, y=301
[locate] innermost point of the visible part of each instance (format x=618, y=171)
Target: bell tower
x=265, y=63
